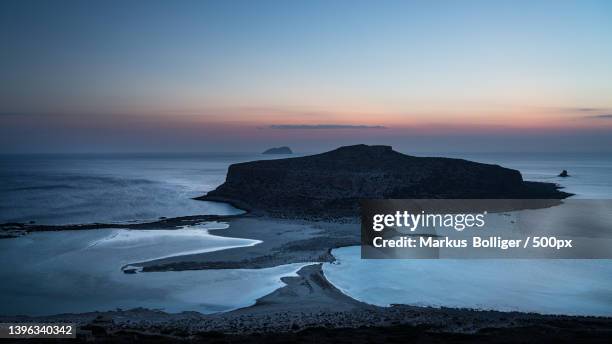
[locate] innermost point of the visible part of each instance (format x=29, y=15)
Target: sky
x=81, y=76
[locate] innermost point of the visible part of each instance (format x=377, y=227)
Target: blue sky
x=203, y=72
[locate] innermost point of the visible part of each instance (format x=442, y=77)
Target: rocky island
x=332, y=183
x=278, y=150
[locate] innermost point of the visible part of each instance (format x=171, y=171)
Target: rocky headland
x=331, y=184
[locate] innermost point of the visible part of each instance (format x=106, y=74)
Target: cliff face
x=332, y=183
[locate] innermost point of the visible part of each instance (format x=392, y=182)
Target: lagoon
x=80, y=271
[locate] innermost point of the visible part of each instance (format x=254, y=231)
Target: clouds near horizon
x=602, y=116
x=325, y=126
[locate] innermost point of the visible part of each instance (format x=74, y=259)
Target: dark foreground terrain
x=390, y=334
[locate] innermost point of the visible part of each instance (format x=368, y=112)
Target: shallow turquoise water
x=578, y=287
x=80, y=271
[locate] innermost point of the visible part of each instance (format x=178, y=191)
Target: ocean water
x=575, y=287
x=590, y=173
x=80, y=271
x=72, y=189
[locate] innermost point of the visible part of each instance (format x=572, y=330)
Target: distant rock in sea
x=332, y=183
x=563, y=174
x=278, y=150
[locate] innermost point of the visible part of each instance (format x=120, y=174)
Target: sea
x=80, y=271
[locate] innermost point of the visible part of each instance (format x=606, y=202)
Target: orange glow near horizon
x=532, y=119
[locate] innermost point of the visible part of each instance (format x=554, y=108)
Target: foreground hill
x=332, y=183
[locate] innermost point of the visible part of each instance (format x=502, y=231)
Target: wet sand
x=285, y=241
